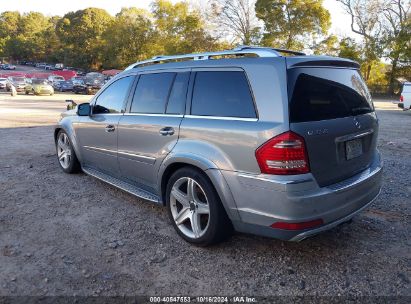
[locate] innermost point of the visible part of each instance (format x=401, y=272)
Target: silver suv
x=246, y=139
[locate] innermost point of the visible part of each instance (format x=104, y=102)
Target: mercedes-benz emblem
x=357, y=123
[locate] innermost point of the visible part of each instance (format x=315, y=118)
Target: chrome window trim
x=153, y=114
x=221, y=117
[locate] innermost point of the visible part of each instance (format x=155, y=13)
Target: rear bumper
x=263, y=200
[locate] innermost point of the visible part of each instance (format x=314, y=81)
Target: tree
x=236, y=18
x=396, y=28
x=131, y=37
x=366, y=21
x=81, y=32
x=180, y=29
x=348, y=48
x=292, y=24
x=9, y=27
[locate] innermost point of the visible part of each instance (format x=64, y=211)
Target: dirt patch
x=74, y=235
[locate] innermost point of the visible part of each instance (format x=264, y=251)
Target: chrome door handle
x=167, y=131
x=110, y=128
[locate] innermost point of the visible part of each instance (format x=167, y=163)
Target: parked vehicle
x=280, y=146
x=92, y=82
x=18, y=82
x=64, y=86
x=405, y=97
x=77, y=80
x=5, y=84
x=39, y=87
x=8, y=66
x=54, y=79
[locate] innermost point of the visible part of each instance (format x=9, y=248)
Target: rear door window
x=177, y=101
x=223, y=94
x=152, y=93
x=325, y=93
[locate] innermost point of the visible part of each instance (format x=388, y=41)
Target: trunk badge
x=357, y=123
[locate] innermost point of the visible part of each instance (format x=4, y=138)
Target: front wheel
x=65, y=153
x=195, y=209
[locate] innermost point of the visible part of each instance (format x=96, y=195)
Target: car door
x=97, y=133
x=149, y=129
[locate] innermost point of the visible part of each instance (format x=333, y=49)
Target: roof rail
x=238, y=51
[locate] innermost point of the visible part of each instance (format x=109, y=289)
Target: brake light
x=401, y=98
x=297, y=226
x=283, y=154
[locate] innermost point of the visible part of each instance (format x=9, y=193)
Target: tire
x=66, y=155
x=201, y=209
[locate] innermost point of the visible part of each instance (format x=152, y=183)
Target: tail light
x=401, y=98
x=284, y=154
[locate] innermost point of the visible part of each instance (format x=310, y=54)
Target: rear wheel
x=195, y=209
x=65, y=153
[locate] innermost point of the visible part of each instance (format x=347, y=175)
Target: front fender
x=66, y=124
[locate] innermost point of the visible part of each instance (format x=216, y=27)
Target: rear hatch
x=330, y=106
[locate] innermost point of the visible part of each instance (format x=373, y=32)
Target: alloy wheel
x=189, y=207
x=64, y=150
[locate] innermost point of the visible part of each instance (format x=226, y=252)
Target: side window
x=152, y=93
x=177, y=101
x=112, y=98
x=222, y=94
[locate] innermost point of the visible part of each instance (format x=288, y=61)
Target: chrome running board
x=134, y=190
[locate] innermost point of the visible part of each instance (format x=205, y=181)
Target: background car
x=18, y=82
x=39, y=87
x=55, y=78
x=405, y=98
x=8, y=66
x=64, y=86
x=91, y=84
x=4, y=84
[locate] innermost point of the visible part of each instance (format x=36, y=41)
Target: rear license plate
x=353, y=148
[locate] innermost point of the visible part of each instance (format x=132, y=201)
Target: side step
x=122, y=185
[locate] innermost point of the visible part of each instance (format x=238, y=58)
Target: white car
x=405, y=98
x=54, y=79
x=5, y=84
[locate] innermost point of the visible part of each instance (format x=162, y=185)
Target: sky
x=340, y=20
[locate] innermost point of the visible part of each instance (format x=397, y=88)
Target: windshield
x=40, y=81
x=325, y=93
x=17, y=79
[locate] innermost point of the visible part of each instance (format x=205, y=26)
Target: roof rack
x=238, y=51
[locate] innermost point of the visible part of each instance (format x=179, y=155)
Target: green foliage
x=292, y=24
x=81, y=32
x=179, y=29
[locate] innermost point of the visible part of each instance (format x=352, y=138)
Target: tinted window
x=113, y=97
x=152, y=93
x=222, y=94
x=320, y=94
x=177, y=100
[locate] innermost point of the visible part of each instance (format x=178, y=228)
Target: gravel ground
x=74, y=235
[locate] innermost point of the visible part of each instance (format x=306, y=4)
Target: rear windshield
x=326, y=93
x=406, y=88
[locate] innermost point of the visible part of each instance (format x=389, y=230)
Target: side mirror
x=84, y=109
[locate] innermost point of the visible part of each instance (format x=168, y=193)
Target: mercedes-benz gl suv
x=257, y=140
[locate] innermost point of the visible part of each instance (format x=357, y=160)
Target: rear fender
x=210, y=169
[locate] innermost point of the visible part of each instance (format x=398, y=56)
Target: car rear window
x=326, y=93
x=223, y=94
x=406, y=88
